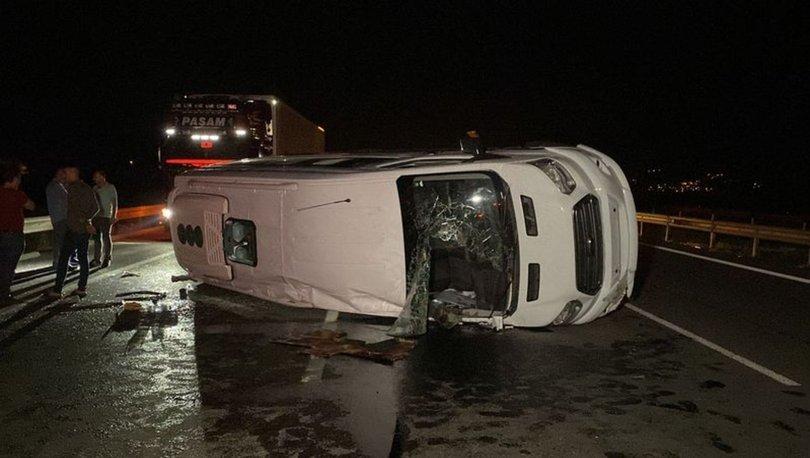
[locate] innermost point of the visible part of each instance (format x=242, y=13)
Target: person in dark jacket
x=56, y=196
x=12, y=222
x=82, y=206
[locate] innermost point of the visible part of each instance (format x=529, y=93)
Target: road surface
x=705, y=361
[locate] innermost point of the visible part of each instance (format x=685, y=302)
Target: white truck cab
x=524, y=237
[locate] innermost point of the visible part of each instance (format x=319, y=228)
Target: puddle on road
x=255, y=388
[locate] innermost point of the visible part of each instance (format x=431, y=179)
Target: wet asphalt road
x=202, y=377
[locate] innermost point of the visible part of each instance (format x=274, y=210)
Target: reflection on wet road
x=203, y=376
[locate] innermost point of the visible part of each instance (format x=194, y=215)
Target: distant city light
x=131, y=162
x=171, y=131
x=167, y=213
x=710, y=182
x=240, y=132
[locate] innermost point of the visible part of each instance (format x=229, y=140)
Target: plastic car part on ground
x=326, y=343
x=132, y=306
x=462, y=219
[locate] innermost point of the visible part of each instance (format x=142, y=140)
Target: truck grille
x=588, y=245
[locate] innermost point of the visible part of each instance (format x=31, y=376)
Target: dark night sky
x=689, y=86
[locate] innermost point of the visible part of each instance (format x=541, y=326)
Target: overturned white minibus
x=527, y=237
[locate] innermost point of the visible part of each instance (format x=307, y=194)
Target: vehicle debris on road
x=142, y=319
x=325, y=343
x=143, y=295
x=144, y=292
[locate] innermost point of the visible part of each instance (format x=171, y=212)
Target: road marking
x=52, y=308
x=727, y=353
x=95, y=276
x=120, y=270
x=732, y=264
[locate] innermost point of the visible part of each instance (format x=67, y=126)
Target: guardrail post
x=666, y=233
x=755, y=245
x=711, y=234
x=640, y=228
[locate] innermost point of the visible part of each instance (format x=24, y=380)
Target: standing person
x=108, y=201
x=12, y=222
x=56, y=195
x=81, y=208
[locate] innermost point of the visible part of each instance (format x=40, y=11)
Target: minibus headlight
x=557, y=173
x=569, y=313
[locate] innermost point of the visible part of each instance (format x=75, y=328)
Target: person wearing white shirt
x=107, y=197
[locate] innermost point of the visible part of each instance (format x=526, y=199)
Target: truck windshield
x=459, y=239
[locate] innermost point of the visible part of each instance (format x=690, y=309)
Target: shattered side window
x=459, y=243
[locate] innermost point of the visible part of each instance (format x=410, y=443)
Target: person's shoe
x=73, y=267
x=94, y=263
x=81, y=292
x=54, y=295
x=105, y=264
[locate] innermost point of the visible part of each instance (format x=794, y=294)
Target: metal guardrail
x=43, y=223
x=712, y=227
x=37, y=224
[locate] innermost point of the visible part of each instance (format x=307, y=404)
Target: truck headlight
x=557, y=173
